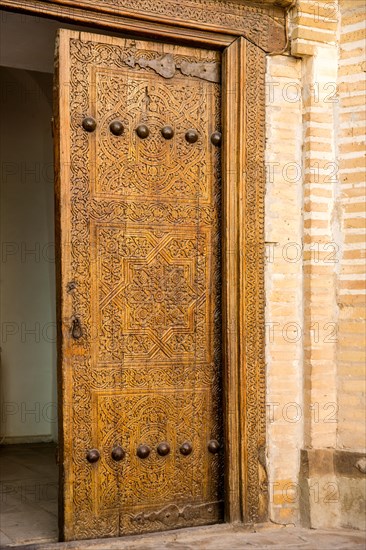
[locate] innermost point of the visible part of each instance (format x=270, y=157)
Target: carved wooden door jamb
x=243, y=280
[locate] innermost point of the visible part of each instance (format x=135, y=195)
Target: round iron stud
x=142, y=131
x=92, y=456
x=89, y=124
x=213, y=446
x=186, y=448
x=191, y=136
x=143, y=451
x=216, y=138
x=163, y=448
x=167, y=132
x=118, y=453
x=116, y=127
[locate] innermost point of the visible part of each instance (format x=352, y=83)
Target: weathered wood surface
x=140, y=286
x=243, y=280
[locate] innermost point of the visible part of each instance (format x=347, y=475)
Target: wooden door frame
x=243, y=94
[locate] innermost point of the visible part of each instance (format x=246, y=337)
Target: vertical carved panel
x=254, y=414
x=243, y=288
x=140, y=223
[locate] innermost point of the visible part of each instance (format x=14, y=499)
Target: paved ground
x=28, y=494
x=28, y=499
x=223, y=537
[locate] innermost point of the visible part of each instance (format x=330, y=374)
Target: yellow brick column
x=284, y=323
x=321, y=248
x=351, y=435
x=303, y=234
x=351, y=159
x=321, y=265
x=314, y=38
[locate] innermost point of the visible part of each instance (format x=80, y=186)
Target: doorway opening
x=28, y=466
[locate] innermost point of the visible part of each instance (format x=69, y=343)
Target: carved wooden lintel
x=215, y=22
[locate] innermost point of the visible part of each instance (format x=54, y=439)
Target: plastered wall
x=28, y=350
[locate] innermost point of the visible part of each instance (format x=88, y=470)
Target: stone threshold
x=221, y=537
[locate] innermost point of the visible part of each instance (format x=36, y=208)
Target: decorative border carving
x=243, y=276
x=263, y=23
x=252, y=279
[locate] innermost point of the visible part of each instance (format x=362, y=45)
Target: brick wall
x=315, y=268
x=283, y=233
x=351, y=282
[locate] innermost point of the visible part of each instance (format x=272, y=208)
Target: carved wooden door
x=138, y=193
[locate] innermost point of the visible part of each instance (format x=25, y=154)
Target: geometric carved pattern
x=151, y=289
x=141, y=227
x=253, y=284
x=262, y=24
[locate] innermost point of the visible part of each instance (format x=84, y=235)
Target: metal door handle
x=76, y=331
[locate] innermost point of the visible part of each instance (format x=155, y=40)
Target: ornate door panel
x=138, y=192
